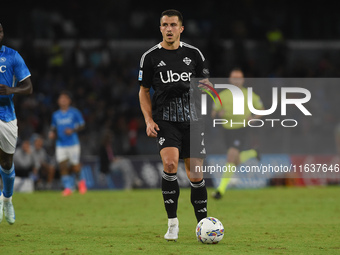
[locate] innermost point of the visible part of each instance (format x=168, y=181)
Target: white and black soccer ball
x=209, y=230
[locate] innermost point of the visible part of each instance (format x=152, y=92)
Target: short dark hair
x=66, y=93
x=171, y=13
x=238, y=69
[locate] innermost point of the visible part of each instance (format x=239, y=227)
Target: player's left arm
x=80, y=122
x=79, y=128
x=76, y=129
x=79, y=125
x=202, y=71
x=217, y=109
x=24, y=88
x=257, y=102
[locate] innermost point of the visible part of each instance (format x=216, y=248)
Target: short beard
x=170, y=43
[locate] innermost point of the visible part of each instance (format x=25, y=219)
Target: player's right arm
x=22, y=74
x=145, y=79
x=146, y=106
x=52, y=133
x=24, y=88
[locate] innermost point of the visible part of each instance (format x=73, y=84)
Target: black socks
x=199, y=199
x=170, y=190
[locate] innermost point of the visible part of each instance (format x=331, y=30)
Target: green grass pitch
x=263, y=221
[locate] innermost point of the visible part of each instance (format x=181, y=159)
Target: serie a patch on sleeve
x=140, y=76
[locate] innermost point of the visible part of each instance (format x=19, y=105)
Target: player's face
x=171, y=29
x=64, y=101
x=25, y=146
x=236, y=78
x=38, y=143
x=1, y=34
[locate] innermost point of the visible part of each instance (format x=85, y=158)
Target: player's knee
x=170, y=166
x=76, y=168
x=51, y=170
x=195, y=179
x=233, y=155
x=63, y=170
x=6, y=163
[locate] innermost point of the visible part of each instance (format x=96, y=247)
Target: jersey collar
x=2, y=48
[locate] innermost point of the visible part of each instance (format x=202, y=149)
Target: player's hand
x=68, y=131
x=51, y=135
x=5, y=90
x=203, y=83
x=151, y=129
x=221, y=113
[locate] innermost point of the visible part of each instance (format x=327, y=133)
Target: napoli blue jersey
x=12, y=70
x=72, y=118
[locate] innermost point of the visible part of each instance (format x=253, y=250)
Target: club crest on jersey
x=171, y=76
x=161, y=140
x=187, y=60
x=206, y=71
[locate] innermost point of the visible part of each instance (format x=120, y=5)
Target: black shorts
x=186, y=136
x=236, y=138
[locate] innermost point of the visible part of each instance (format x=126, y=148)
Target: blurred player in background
x=109, y=162
x=236, y=134
x=66, y=122
x=24, y=160
x=167, y=68
x=44, y=165
x=12, y=70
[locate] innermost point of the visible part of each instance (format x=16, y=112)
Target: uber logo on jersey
x=175, y=77
x=2, y=69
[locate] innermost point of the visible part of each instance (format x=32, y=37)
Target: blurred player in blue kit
x=13, y=70
x=66, y=122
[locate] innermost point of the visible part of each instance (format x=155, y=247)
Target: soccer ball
x=209, y=230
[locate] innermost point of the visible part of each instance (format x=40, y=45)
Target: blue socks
x=67, y=181
x=8, y=177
